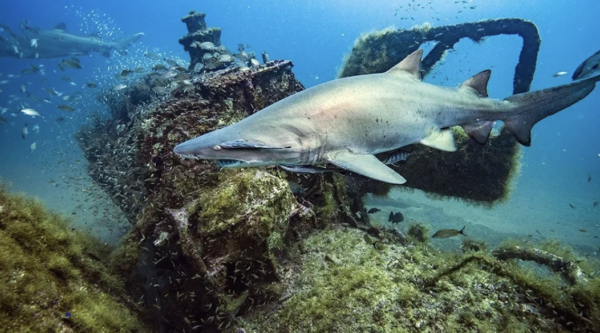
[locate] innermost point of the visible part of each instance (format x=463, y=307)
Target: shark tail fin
x=121, y=45
x=531, y=107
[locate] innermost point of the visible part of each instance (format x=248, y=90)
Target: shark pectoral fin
x=442, y=140
x=366, y=165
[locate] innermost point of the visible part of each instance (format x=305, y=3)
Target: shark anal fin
x=442, y=140
x=479, y=131
x=478, y=83
x=366, y=165
x=248, y=144
x=411, y=64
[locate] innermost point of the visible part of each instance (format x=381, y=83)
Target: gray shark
x=346, y=122
x=57, y=42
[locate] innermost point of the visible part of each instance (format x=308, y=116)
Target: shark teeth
x=189, y=157
x=229, y=163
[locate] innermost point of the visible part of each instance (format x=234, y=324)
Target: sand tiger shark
x=346, y=122
x=57, y=42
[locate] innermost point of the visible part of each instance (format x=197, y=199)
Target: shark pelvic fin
x=442, y=140
x=478, y=83
x=479, y=131
x=248, y=144
x=61, y=26
x=411, y=64
x=366, y=165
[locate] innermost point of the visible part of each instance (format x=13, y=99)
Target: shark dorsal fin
x=478, y=83
x=410, y=64
x=61, y=26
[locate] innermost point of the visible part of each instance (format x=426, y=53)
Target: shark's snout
x=187, y=149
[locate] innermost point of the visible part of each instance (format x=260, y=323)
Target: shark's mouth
x=230, y=163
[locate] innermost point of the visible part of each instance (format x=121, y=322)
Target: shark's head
x=240, y=150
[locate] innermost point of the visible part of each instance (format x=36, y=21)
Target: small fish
x=159, y=67
x=396, y=156
x=206, y=46
x=23, y=88
x=34, y=42
x=159, y=90
x=91, y=85
x=31, y=112
x=395, y=217
x=52, y=92
x=32, y=147
x=373, y=210
x=582, y=230
x=36, y=129
x=24, y=131
x=172, y=63
x=596, y=203
x=445, y=233
x=253, y=63
x=65, y=107
x=151, y=55
x=557, y=74
x=70, y=64
x=589, y=178
x=125, y=72
x=570, y=205
x=119, y=87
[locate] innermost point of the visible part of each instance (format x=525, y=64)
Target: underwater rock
x=474, y=173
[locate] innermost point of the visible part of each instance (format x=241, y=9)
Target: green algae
x=346, y=285
x=49, y=270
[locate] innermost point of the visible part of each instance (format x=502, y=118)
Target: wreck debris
x=380, y=51
x=475, y=173
x=567, y=268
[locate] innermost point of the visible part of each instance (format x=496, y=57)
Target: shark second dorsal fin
x=442, y=140
x=61, y=26
x=366, y=165
x=478, y=83
x=411, y=64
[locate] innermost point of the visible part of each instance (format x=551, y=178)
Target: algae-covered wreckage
x=263, y=250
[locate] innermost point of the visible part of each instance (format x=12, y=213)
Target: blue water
x=315, y=35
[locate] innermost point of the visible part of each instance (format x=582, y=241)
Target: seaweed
x=57, y=275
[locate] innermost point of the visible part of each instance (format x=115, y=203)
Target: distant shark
x=346, y=122
x=57, y=42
